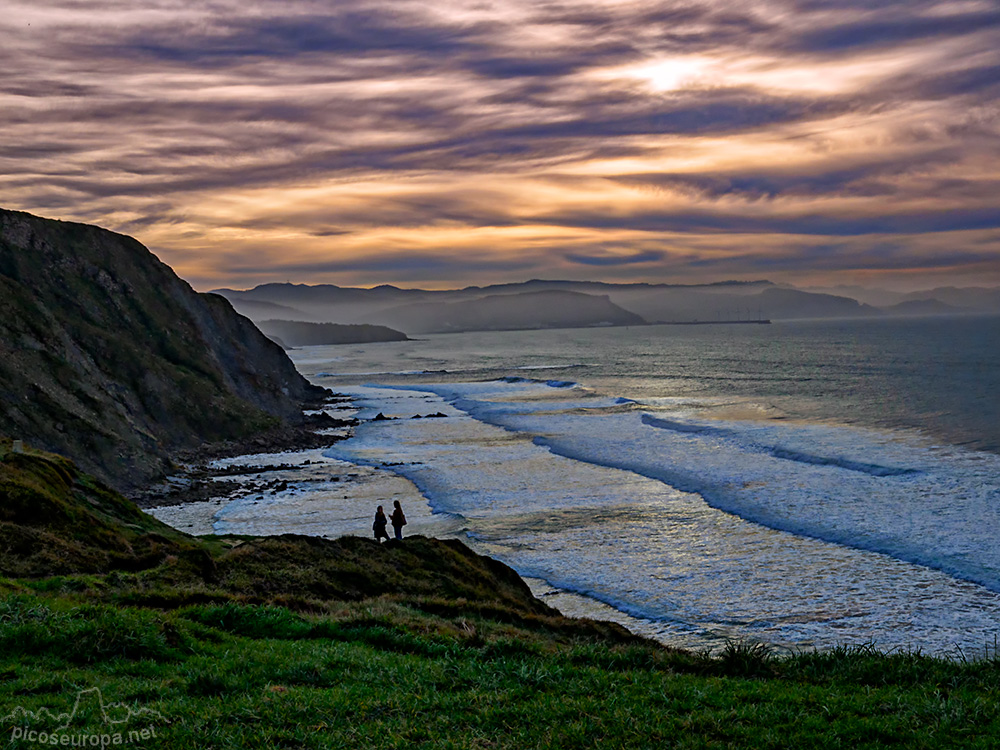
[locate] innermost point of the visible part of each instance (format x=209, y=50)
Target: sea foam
x=797, y=533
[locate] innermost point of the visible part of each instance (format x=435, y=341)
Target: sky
x=443, y=144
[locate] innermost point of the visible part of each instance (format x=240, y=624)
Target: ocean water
x=804, y=484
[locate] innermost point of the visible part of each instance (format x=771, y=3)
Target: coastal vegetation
x=294, y=641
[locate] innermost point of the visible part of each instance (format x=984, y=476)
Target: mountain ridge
x=654, y=302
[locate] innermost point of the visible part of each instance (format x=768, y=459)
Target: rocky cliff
x=107, y=357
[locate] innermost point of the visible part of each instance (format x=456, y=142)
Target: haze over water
x=806, y=484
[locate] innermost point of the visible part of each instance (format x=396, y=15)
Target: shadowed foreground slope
x=303, y=642
x=58, y=521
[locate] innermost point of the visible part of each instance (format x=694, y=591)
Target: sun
x=671, y=74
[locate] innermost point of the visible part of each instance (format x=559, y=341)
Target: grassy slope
x=297, y=642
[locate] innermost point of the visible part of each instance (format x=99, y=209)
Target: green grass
x=381, y=675
x=237, y=642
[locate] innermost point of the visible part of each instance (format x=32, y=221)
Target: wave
x=878, y=491
x=374, y=372
x=876, y=501
x=864, y=517
x=669, y=424
x=874, y=470
x=544, y=503
x=787, y=454
x=549, y=383
x=462, y=371
x=553, y=367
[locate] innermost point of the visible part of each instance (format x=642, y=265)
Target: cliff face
x=107, y=357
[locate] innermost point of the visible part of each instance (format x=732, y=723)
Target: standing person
x=398, y=519
x=379, y=526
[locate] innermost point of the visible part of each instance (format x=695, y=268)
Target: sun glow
x=659, y=76
x=672, y=74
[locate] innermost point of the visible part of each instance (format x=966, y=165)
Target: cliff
x=107, y=357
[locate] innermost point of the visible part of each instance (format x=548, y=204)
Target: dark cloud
x=839, y=257
x=832, y=225
x=339, y=30
x=292, y=153
x=646, y=256
x=980, y=81
x=892, y=26
x=866, y=179
x=414, y=264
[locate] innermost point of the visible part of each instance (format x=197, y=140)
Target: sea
x=804, y=485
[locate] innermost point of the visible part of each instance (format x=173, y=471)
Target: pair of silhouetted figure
x=397, y=518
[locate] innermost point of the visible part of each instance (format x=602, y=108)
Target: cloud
x=868, y=178
x=894, y=25
x=614, y=259
x=339, y=30
x=832, y=257
x=416, y=265
x=903, y=223
x=327, y=139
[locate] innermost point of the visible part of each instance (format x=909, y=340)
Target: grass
x=383, y=675
x=234, y=642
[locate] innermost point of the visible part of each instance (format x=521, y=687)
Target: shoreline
x=279, y=493
x=234, y=479
x=197, y=473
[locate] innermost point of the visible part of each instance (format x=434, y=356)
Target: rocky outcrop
x=107, y=357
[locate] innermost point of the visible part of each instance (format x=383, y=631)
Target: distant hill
x=424, y=311
x=295, y=333
x=925, y=307
x=726, y=300
x=950, y=300
x=684, y=304
x=321, y=303
x=107, y=357
x=783, y=303
x=259, y=310
x=505, y=312
x=334, y=304
x=984, y=299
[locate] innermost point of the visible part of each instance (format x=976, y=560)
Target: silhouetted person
x=398, y=519
x=379, y=526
